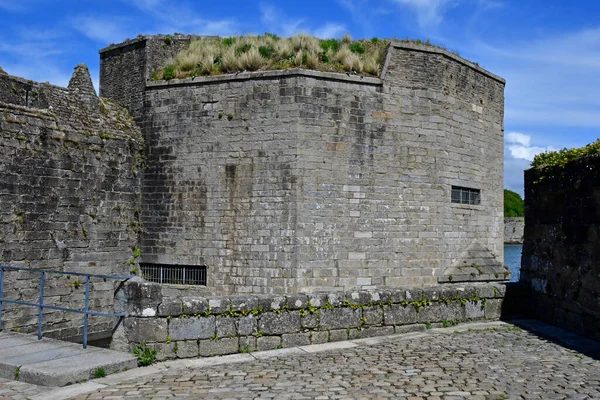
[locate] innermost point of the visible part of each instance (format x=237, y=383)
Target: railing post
x=1, y=294
x=41, y=306
x=87, y=306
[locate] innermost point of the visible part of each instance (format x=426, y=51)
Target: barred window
x=463, y=195
x=174, y=274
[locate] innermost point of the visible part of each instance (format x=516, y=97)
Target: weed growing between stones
x=17, y=373
x=144, y=354
x=99, y=373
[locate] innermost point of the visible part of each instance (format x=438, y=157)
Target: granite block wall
x=562, y=244
x=69, y=198
x=293, y=181
x=514, y=228
x=190, y=327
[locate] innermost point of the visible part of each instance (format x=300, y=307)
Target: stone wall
x=562, y=244
x=188, y=327
x=291, y=181
x=69, y=198
x=513, y=230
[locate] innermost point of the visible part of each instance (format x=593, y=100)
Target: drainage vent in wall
x=174, y=274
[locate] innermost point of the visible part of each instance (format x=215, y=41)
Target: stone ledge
x=294, y=319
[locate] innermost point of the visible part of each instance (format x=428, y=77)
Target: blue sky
x=548, y=51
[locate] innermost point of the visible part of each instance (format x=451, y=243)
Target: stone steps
x=51, y=362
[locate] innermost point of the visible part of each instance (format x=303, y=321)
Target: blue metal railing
x=86, y=312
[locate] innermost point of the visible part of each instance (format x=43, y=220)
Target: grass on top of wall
x=205, y=57
x=564, y=156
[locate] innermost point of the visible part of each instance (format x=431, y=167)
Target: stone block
x=186, y=349
x=145, y=329
x=337, y=318
x=317, y=299
x=493, y=309
x=297, y=301
x=318, y=337
x=164, y=351
x=336, y=299
x=247, y=325
x=295, y=339
x=247, y=343
x=310, y=320
x=373, y=315
x=244, y=302
x=397, y=295
x=218, y=347
x=194, y=305
x=356, y=297
x=170, y=307
x=373, y=331
x=399, y=315
x=271, y=302
x=474, y=310
x=338, y=335
x=268, y=343
x=141, y=297
x=409, y=328
x=439, y=312
x=273, y=323
x=192, y=328
x=226, y=326
x=218, y=305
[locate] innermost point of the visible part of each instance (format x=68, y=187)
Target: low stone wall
x=196, y=326
x=513, y=230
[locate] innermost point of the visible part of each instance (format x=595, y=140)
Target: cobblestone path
x=504, y=362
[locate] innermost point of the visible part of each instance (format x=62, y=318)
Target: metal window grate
x=174, y=274
x=463, y=195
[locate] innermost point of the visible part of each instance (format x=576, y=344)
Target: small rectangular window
x=463, y=195
x=174, y=274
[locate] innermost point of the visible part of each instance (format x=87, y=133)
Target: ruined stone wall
x=287, y=181
x=190, y=327
x=69, y=200
x=562, y=244
x=513, y=230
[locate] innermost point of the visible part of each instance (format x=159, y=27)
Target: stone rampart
x=513, y=230
x=69, y=199
x=294, y=181
x=188, y=327
x=562, y=244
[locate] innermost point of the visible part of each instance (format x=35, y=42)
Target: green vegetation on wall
x=269, y=52
x=514, y=206
x=562, y=157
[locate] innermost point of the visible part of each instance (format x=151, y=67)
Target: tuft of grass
x=100, y=372
x=205, y=57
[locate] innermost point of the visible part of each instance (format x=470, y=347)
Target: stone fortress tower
x=298, y=180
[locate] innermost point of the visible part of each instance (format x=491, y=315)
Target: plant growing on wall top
x=206, y=57
x=564, y=156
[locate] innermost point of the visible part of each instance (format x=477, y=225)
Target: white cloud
x=278, y=22
x=330, y=30
x=519, y=146
x=105, y=30
x=429, y=12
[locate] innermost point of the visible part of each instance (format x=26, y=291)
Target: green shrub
x=564, y=156
x=332, y=44
x=265, y=51
x=228, y=41
x=357, y=48
x=514, y=206
x=169, y=72
x=144, y=354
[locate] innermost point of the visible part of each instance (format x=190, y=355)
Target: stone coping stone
x=245, y=304
x=51, y=362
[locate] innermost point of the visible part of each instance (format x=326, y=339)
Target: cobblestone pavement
x=15, y=390
x=499, y=362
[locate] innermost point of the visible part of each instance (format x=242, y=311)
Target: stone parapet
x=184, y=327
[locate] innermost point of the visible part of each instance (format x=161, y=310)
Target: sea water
x=512, y=259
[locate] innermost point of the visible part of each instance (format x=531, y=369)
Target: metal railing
x=41, y=306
